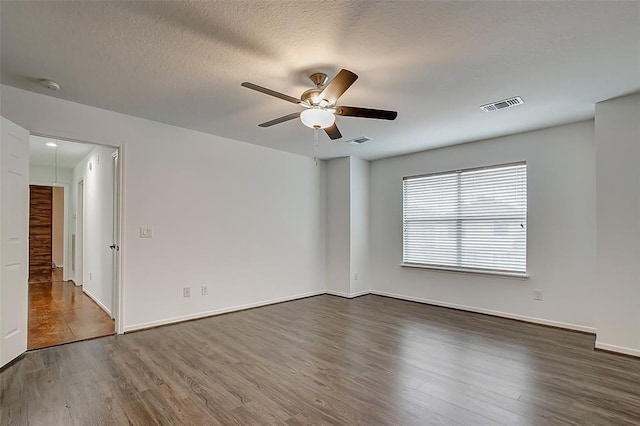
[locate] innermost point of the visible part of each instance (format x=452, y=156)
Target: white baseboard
x=141, y=326
x=104, y=308
x=534, y=320
x=568, y=326
x=618, y=349
x=347, y=295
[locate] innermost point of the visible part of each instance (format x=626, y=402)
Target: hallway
x=59, y=312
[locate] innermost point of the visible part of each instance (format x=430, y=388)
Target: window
x=471, y=220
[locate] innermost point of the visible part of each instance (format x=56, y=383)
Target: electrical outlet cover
x=146, y=232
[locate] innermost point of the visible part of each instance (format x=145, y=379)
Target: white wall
x=617, y=130
x=46, y=175
x=245, y=220
x=561, y=252
x=338, y=226
x=359, y=225
x=347, y=226
x=58, y=227
x=97, y=262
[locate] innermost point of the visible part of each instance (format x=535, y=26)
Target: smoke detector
x=358, y=141
x=50, y=84
x=505, y=103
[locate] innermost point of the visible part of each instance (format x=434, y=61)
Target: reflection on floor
x=60, y=312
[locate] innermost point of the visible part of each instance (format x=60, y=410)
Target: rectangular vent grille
x=505, y=103
x=358, y=141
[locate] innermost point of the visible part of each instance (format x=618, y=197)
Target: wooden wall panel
x=40, y=233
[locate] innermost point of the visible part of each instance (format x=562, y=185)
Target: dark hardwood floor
x=59, y=312
x=328, y=360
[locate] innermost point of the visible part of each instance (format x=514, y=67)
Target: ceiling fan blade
x=270, y=92
x=333, y=132
x=380, y=114
x=280, y=120
x=338, y=86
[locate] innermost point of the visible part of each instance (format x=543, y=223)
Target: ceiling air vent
x=506, y=103
x=358, y=141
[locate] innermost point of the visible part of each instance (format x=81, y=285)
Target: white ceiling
x=434, y=62
x=68, y=153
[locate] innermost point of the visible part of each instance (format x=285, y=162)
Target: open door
x=14, y=231
x=115, y=247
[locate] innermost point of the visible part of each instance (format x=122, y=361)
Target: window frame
x=462, y=269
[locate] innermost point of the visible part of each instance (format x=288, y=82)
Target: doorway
x=40, y=234
x=46, y=233
x=72, y=285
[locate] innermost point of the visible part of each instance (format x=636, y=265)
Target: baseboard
x=617, y=349
x=347, y=295
x=151, y=324
x=557, y=324
x=92, y=297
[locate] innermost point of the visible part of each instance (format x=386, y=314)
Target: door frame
x=119, y=223
x=78, y=254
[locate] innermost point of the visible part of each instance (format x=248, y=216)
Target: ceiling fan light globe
x=317, y=118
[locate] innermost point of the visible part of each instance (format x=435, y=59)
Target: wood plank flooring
x=326, y=360
x=59, y=312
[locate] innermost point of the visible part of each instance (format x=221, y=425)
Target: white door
x=115, y=247
x=14, y=246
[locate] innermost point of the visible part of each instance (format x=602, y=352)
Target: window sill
x=513, y=275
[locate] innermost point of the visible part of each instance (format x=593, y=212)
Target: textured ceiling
x=434, y=62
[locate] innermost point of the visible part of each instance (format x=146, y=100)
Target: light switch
x=146, y=232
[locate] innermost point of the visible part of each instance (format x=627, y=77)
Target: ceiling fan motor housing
x=311, y=96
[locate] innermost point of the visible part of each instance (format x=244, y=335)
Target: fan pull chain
x=315, y=146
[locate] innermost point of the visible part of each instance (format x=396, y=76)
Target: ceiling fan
x=320, y=104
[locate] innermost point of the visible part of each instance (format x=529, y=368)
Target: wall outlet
x=205, y=290
x=355, y=276
x=186, y=292
x=537, y=294
x=90, y=276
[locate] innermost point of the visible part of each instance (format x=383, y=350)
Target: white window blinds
x=471, y=219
